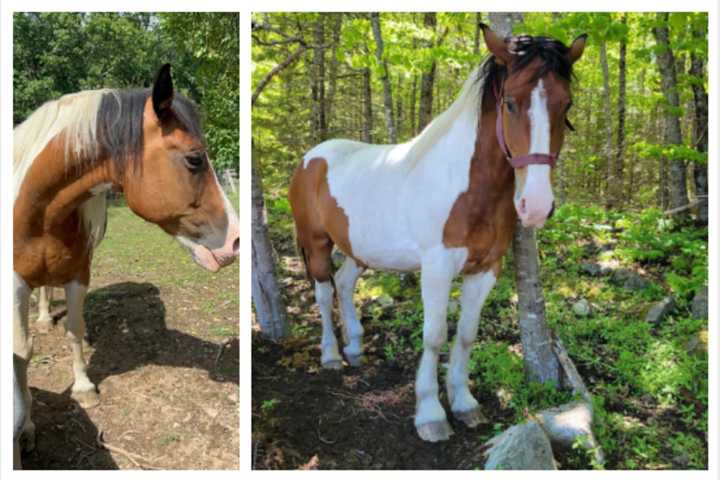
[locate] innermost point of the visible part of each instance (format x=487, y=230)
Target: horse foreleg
x=330, y=356
x=22, y=348
x=438, y=270
x=83, y=389
x=345, y=281
x=475, y=290
x=44, y=320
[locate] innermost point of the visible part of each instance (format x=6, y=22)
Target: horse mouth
x=210, y=260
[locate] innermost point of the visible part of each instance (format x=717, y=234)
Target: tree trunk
x=607, y=150
x=540, y=361
x=616, y=189
x=367, y=107
x=478, y=32
x=385, y=78
x=317, y=79
x=336, y=27
x=268, y=301
x=677, y=188
x=700, y=134
x=427, y=81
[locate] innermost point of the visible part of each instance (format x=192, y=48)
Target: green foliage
x=60, y=53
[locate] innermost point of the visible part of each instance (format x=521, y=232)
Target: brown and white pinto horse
x=146, y=143
x=445, y=203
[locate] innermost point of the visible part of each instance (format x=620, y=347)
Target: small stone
x=698, y=343
x=385, y=301
x=581, y=308
x=629, y=279
x=660, y=310
x=700, y=303
x=592, y=269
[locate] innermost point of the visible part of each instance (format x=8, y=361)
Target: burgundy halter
x=525, y=160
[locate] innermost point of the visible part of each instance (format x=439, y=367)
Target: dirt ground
x=164, y=359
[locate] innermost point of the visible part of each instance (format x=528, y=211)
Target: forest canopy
x=60, y=53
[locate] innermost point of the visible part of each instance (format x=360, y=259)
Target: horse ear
x=577, y=48
x=495, y=44
x=162, y=94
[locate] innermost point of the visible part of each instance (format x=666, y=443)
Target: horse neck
x=489, y=168
x=52, y=190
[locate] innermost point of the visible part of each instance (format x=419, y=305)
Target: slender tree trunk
x=367, y=106
x=478, y=32
x=673, y=136
x=268, y=301
x=616, y=188
x=336, y=27
x=385, y=79
x=427, y=81
x=607, y=147
x=413, y=102
x=540, y=361
x=700, y=134
x=318, y=82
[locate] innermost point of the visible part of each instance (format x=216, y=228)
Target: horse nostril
x=236, y=246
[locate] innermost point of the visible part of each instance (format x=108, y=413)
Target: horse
x=445, y=203
x=146, y=143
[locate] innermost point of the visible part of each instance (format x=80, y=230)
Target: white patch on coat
x=398, y=197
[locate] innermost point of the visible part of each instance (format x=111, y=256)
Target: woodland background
x=59, y=53
x=623, y=262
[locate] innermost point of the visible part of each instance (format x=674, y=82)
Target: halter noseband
x=524, y=160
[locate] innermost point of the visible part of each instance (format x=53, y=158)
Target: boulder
x=660, y=310
x=566, y=423
x=629, y=279
x=520, y=447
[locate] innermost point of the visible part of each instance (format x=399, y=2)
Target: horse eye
x=195, y=162
x=511, y=106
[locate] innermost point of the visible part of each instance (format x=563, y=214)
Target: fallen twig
x=129, y=455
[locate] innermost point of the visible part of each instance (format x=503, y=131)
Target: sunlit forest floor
x=163, y=353
x=602, y=272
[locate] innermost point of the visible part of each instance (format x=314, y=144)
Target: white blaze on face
x=534, y=202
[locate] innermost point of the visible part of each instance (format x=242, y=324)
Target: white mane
x=74, y=116
x=468, y=98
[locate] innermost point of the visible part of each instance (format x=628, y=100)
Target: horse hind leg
x=44, y=321
x=22, y=349
x=475, y=290
x=83, y=389
x=345, y=281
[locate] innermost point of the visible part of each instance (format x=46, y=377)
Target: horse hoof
x=356, y=360
x=471, y=418
x=332, y=365
x=435, y=431
x=87, y=399
x=43, y=326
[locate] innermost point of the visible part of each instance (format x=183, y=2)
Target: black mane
x=120, y=125
x=553, y=53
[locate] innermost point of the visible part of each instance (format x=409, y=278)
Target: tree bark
x=427, y=80
x=676, y=177
x=336, y=27
x=609, y=172
x=385, y=78
x=540, y=362
x=367, y=107
x=317, y=79
x=700, y=134
x=268, y=301
x=616, y=188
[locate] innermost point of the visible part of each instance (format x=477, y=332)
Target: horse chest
x=52, y=257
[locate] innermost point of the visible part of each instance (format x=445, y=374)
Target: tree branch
x=277, y=69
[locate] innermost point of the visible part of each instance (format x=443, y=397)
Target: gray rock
x=520, y=447
x=660, y=310
x=629, y=279
x=592, y=269
x=566, y=423
x=385, y=301
x=581, y=308
x=700, y=303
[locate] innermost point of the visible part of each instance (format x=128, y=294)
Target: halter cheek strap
x=524, y=160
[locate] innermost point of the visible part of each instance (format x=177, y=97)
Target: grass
x=650, y=389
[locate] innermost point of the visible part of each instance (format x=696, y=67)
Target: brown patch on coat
x=482, y=219
x=320, y=222
x=50, y=246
